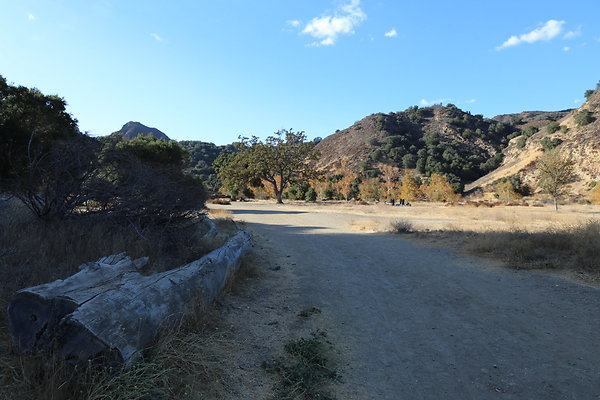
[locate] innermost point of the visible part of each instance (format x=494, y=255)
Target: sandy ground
x=414, y=321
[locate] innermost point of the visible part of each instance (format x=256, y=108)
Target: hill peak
x=134, y=129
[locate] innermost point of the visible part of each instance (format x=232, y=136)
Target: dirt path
x=426, y=323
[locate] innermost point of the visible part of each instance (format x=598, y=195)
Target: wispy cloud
x=294, y=23
x=471, y=101
x=573, y=34
x=548, y=31
x=566, y=48
x=425, y=102
x=392, y=33
x=31, y=17
x=158, y=38
x=328, y=28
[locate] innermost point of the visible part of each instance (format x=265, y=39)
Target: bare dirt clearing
x=419, y=322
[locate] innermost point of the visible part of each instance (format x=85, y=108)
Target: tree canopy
x=30, y=123
x=280, y=160
x=555, y=172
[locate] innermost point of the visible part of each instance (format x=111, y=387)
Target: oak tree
x=555, y=172
x=282, y=159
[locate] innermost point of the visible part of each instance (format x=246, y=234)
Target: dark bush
x=552, y=127
x=583, y=118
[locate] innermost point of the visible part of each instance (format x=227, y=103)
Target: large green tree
x=282, y=159
x=30, y=124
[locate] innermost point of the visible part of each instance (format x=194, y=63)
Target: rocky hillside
x=574, y=133
x=134, y=129
x=438, y=139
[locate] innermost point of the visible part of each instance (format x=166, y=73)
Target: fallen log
x=110, y=309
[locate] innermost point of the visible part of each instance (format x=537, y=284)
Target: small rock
x=272, y=323
x=275, y=267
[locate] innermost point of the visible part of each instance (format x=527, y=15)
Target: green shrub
x=552, y=127
x=311, y=195
x=583, y=118
x=588, y=93
x=549, y=144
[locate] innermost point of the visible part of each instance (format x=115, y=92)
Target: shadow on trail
x=239, y=211
x=440, y=325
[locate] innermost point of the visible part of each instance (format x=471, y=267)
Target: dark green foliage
x=583, y=118
x=297, y=191
x=202, y=157
x=376, y=155
x=514, y=135
x=311, y=195
x=588, y=93
x=552, y=127
x=280, y=160
x=519, y=187
x=529, y=131
x=526, y=133
x=407, y=146
x=156, y=151
x=57, y=172
x=549, y=144
x=30, y=124
x=409, y=161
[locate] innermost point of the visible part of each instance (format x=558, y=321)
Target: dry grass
x=185, y=364
x=569, y=247
x=400, y=226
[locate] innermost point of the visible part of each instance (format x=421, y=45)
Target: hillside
x=202, y=157
x=438, y=139
x=133, y=129
x=565, y=130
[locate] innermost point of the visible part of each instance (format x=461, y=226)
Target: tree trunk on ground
x=109, y=308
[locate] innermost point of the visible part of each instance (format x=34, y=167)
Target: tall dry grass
x=185, y=364
x=563, y=247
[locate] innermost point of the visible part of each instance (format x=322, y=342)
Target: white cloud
x=425, y=102
x=294, y=23
x=566, y=48
x=577, y=101
x=471, y=101
x=158, y=38
x=31, y=17
x=392, y=33
x=548, y=31
x=329, y=27
x=573, y=34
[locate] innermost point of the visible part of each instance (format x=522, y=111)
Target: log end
x=32, y=318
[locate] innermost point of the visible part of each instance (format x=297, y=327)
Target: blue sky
x=213, y=70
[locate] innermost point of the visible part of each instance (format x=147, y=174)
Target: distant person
x=393, y=202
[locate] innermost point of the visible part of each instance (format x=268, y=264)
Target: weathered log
x=113, y=309
x=34, y=313
x=212, y=227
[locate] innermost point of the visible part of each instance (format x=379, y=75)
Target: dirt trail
x=415, y=322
